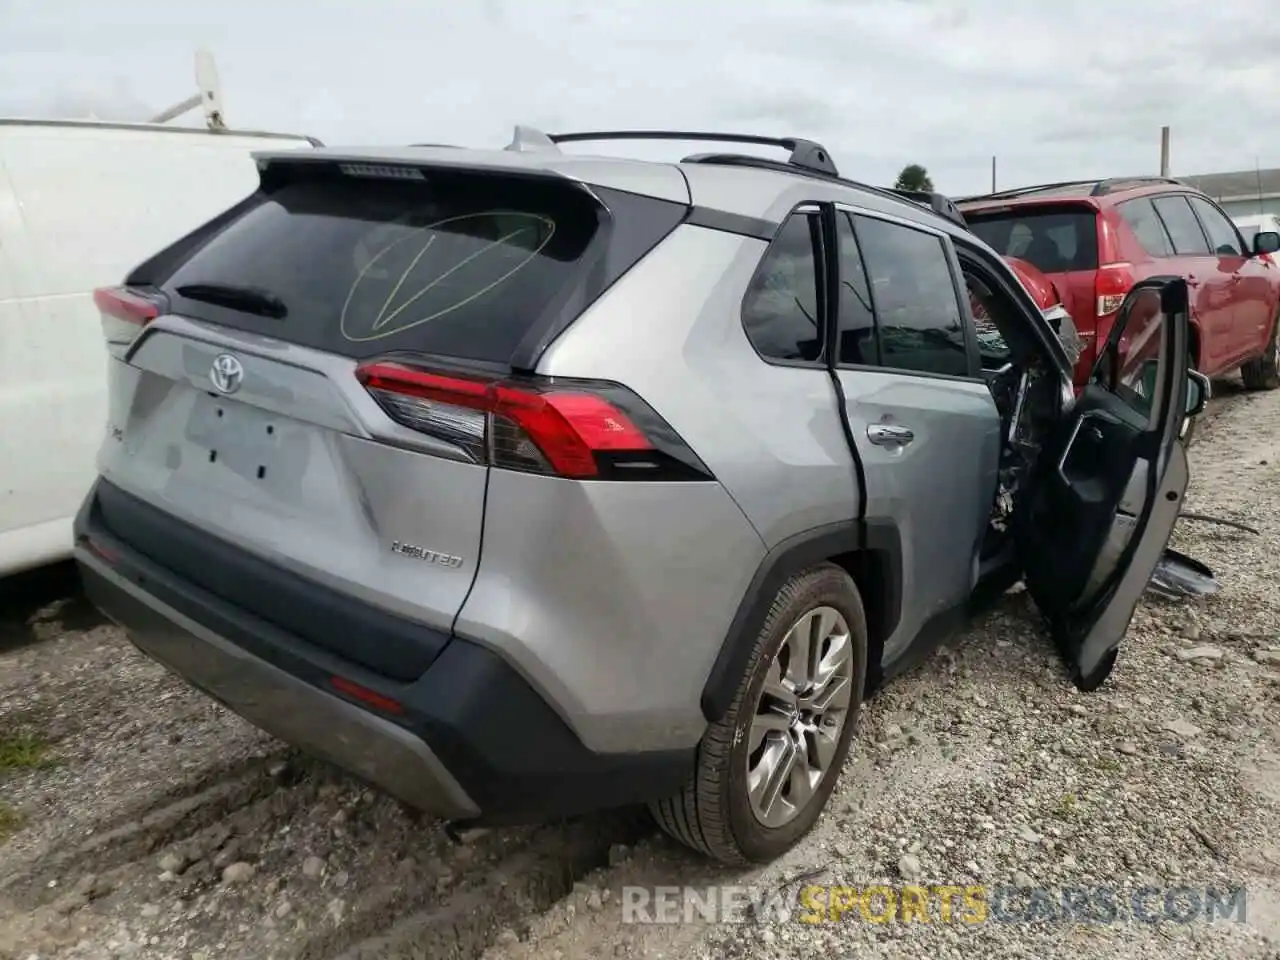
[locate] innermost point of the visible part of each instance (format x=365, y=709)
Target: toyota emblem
x=226, y=373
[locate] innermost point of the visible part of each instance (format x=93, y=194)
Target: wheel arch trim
x=872, y=548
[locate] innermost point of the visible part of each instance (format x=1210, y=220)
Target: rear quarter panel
x=615, y=598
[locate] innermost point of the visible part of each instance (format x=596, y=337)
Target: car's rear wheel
x=766, y=770
x=1263, y=373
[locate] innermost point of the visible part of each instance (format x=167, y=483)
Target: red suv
x=1096, y=239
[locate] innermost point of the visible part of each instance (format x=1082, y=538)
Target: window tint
x=1141, y=217
x=857, y=323
x=1184, y=229
x=915, y=299
x=1055, y=239
x=457, y=265
x=1222, y=233
x=780, y=311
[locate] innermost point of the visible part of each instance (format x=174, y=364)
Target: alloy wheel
x=799, y=716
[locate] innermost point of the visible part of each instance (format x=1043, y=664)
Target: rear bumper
x=469, y=740
x=276, y=701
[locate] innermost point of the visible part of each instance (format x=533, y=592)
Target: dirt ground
x=139, y=819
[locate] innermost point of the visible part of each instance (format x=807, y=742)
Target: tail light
x=576, y=429
x=124, y=312
x=1113, y=283
x=120, y=303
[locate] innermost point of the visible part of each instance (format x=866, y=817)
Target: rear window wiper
x=249, y=299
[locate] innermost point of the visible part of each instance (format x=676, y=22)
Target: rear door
x=923, y=422
x=1251, y=281
x=269, y=406
x=1094, y=519
x=1210, y=289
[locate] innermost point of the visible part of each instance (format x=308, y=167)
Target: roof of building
x=1246, y=184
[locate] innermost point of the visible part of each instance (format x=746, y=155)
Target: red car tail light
x=580, y=430
x=1112, y=285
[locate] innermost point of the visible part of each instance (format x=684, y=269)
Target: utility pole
x=1164, y=151
x=993, y=174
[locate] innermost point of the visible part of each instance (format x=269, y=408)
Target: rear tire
x=1263, y=373
x=718, y=813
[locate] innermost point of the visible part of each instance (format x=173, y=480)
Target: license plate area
x=249, y=442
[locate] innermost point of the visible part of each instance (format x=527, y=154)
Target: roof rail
x=807, y=158
x=1021, y=191
x=939, y=203
x=936, y=202
x=1099, y=188
x=1103, y=187
x=805, y=154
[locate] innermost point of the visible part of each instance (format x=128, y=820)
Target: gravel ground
x=139, y=819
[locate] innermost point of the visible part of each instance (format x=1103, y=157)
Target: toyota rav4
x=1095, y=239
x=523, y=484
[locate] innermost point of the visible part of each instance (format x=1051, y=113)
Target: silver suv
x=523, y=484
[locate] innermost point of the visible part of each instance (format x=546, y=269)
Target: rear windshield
x=458, y=264
x=1054, y=239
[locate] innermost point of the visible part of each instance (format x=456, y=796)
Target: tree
x=914, y=177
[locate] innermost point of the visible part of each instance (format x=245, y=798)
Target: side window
x=1135, y=373
x=780, y=311
x=915, y=301
x=856, y=322
x=1221, y=231
x=990, y=313
x=1184, y=229
x=1141, y=217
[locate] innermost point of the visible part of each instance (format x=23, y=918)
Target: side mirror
x=1266, y=242
x=1198, y=390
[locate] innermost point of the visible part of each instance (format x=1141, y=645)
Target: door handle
x=889, y=435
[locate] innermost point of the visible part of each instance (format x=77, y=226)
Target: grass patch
x=1068, y=807
x=23, y=752
x=10, y=821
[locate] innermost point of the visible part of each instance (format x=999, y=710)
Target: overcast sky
x=1054, y=90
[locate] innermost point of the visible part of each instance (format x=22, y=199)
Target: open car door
x=1097, y=513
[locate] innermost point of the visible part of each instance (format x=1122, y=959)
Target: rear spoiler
x=396, y=163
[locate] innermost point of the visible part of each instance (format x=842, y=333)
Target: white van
x=81, y=204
